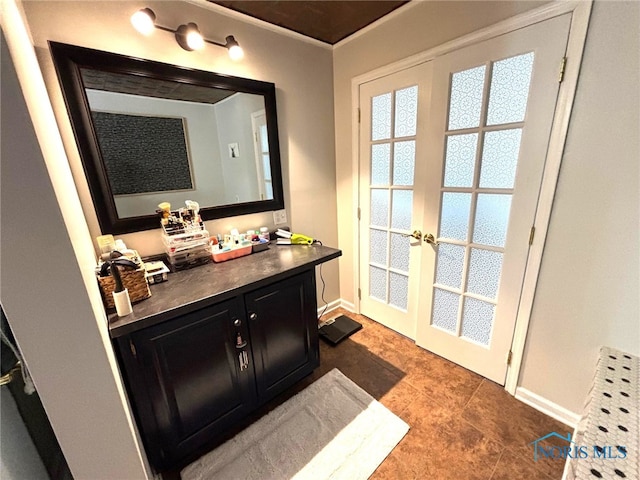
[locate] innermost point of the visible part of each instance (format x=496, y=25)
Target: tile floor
x=462, y=426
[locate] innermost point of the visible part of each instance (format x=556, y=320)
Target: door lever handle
x=8, y=377
x=429, y=238
x=417, y=234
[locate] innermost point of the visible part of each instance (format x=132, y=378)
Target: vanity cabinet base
x=192, y=378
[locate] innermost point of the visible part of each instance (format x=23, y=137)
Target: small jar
x=264, y=234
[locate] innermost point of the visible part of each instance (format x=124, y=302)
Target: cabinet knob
x=253, y=316
x=237, y=322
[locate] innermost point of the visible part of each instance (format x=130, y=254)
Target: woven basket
x=133, y=280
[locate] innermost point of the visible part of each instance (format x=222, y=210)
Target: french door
x=395, y=122
x=484, y=117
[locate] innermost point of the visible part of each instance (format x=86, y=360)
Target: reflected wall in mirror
x=150, y=132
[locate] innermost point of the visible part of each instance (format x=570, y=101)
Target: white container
x=264, y=234
x=122, y=303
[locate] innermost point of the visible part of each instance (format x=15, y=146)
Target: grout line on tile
x=473, y=395
x=495, y=467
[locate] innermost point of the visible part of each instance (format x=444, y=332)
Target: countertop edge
x=121, y=327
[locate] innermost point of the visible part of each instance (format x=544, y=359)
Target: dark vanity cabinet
x=192, y=375
x=189, y=378
x=284, y=333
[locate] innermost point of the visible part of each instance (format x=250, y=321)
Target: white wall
x=588, y=290
x=240, y=173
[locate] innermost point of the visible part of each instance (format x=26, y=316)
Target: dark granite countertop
x=205, y=285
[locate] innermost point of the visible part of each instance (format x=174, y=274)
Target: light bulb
x=195, y=40
x=236, y=53
x=143, y=21
x=188, y=37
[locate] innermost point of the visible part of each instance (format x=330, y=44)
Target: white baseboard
x=329, y=307
x=348, y=306
x=339, y=303
x=547, y=407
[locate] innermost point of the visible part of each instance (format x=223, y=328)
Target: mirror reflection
x=163, y=141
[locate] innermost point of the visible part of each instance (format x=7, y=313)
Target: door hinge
x=509, y=357
x=133, y=349
x=359, y=213
x=563, y=63
x=359, y=112
x=532, y=234
x=359, y=294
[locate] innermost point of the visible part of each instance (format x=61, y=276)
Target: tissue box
x=134, y=281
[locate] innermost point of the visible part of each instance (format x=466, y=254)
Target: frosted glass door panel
x=398, y=288
x=400, y=252
x=477, y=320
x=381, y=117
x=465, y=101
x=445, y=309
x=406, y=112
x=460, y=160
x=380, y=164
x=449, y=265
x=492, y=219
x=500, y=158
x=380, y=207
x=401, y=210
x=510, y=89
x=454, y=216
x=378, y=283
x=378, y=246
x=484, y=272
x=404, y=161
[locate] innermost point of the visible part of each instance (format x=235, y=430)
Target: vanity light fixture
x=187, y=35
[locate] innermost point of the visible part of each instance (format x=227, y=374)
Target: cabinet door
x=191, y=383
x=284, y=333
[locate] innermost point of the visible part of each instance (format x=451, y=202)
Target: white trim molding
x=547, y=407
x=580, y=11
x=329, y=307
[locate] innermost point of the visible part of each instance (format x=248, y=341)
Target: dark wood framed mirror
x=151, y=132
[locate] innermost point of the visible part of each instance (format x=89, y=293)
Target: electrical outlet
x=280, y=217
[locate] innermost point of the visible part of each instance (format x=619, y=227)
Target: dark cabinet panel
x=192, y=379
x=284, y=333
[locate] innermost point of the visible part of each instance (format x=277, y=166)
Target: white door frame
x=581, y=11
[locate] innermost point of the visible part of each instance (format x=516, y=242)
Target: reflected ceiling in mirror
x=150, y=132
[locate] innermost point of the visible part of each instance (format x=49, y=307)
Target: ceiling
x=326, y=20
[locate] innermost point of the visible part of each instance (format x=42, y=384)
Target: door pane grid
x=391, y=201
x=489, y=195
